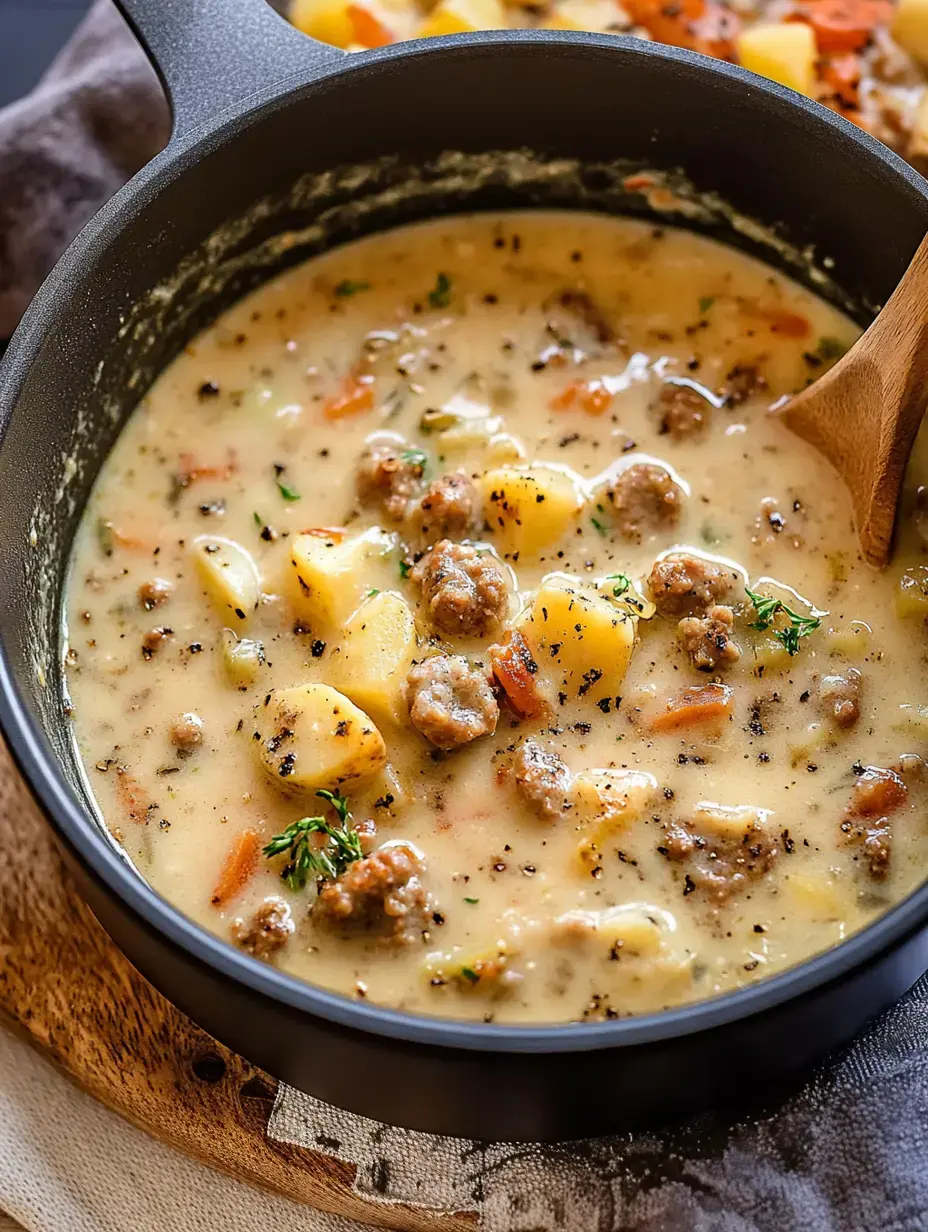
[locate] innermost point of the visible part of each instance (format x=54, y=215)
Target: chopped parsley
x=470, y=974
x=304, y=859
x=622, y=583
x=440, y=295
x=790, y=635
x=472, y=900
x=405, y=568
x=600, y=527
x=417, y=458
x=348, y=287
x=706, y=303
x=371, y=593
x=287, y=492
x=258, y=519
x=830, y=348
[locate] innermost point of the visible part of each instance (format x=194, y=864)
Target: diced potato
x=632, y=928
x=819, y=896
x=326, y=20
x=229, y=575
x=312, y=736
x=770, y=655
x=784, y=52
x=912, y=593
x=605, y=802
x=530, y=507
x=910, y=27
x=596, y=15
x=817, y=736
x=912, y=719
x=242, y=659
x=486, y=971
x=851, y=640
x=334, y=574
x=376, y=655
x=728, y=822
x=581, y=642
x=460, y=16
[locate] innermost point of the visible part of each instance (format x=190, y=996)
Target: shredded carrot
x=366, y=28
x=514, y=670
x=696, y=705
x=335, y=533
x=590, y=396
x=239, y=866
x=190, y=470
x=356, y=395
x=789, y=324
x=840, y=75
x=114, y=536
x=133, y=797
x=844, y=25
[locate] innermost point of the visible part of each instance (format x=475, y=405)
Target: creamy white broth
x=621, y=898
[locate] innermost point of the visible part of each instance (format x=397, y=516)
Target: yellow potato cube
x=729, y=822
x=596, y=15
x=229, y=575
x=326, y=20
x=770, y=655
x=242, y=659
x=911, y=600
x=851, y=640
x=581, y=641
x=604, y=803
x=633, y=928
x=784, y=52
x=530, y=507
x=377, y=653
x=818, y=896
x=312, y=736
x=334, y=574
x=910, y=27
x=460, y=16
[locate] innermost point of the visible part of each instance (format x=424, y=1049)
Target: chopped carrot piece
x=111, y=536
x=591, y=396
x=844, y=25
x=696, y=705
x=840, y=75
x=133, y=797
x=514, y=670
x=356, y=395
x=367, y=29
x=638, y=183
x=700, y=25
x=335, y=533
x=189, y=470
x=789, y=324
x=239, y=866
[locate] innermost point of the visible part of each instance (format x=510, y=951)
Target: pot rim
x=81, y=833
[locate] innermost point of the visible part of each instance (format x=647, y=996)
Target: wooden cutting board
x=65, y=986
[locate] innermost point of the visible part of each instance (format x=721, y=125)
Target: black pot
x=257, y=106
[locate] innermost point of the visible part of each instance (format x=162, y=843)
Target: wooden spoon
x=863, y=414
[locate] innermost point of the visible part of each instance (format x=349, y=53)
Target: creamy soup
x=455, y=625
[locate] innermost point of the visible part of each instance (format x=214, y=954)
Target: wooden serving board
x=65, y=986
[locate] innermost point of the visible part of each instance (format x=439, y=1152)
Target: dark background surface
x=31, y=31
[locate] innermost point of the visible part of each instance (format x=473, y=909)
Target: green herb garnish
x=622, y=584
x=288, y=493
x=348, y=287
x=706, y=303
x=440, y=295
x=470, y=974
x=258, y=519
x=405, y=568
x=305, y=860
x=830, y=348
x=472, y=900
x=600, y=526
x=371, y=593
x=789, y=636
x=417, y=458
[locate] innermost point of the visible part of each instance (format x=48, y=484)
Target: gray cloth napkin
x=848, y=1152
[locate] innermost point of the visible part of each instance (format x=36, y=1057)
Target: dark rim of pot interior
x=39, y=765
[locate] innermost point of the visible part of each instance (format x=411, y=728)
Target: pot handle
x=212, y=54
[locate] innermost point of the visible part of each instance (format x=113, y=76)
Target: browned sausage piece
x=187, y=732
x=154, y=593
x=839, y=697
x=708, y=640
x=743, y=382
x=268, y=930
x=450, y=702
x=569, y=315
x=684, y=412
x=644, y=497
x=685, y=585
x=464, y=593
x=382, y=893
x=543, y=781
x=448, y=508
x=390, y=477
x=720, y=865
x=866, y=823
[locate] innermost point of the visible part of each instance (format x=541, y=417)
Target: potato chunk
x=580, y=640
x=378, y=650
x=530, y=507
x=334, y=574
x=910, y=28
x=326, y=20
x=229, y=575
x=596, y=15
x=633, y=928
x=605, y=802
x=461, y=16
x=912, y=593
x=784, y=52
x=312, y=736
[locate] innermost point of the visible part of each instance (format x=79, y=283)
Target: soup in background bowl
x=454, y=625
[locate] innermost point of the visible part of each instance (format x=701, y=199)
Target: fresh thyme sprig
x=789, y=636
x=306, y=860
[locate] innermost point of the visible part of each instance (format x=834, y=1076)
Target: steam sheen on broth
x=483, y=530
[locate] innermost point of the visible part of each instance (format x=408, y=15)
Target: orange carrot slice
x=844, y=25
x=366, y=28
x=132, y=796
x=590, y=396
x=239, y=866
x=515, y=670
x=696, y=705
x=356, y=395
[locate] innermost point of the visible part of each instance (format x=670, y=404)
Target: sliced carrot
x=696, y=705
x=239, y=867
x=356, y=395
x=844, y=25
x=111, y=536
x=366, y=28
x=515, y=672
x=190, y=470
x=789, y=324
x=132, y=796
x=638, y=183
x=589, y=396
x=335, y=533
x=840, y=75
x=700, y=25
